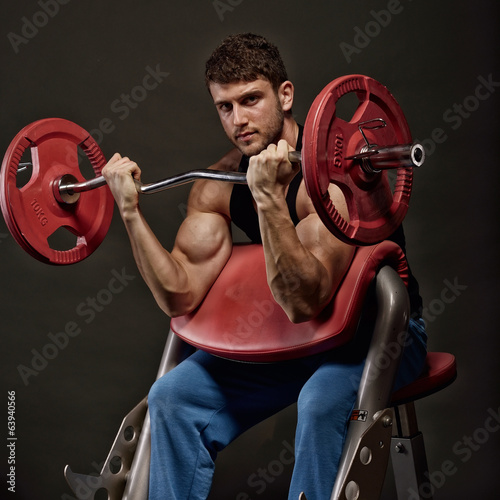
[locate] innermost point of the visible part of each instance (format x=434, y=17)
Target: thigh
x=333, y=387
x=224, y=397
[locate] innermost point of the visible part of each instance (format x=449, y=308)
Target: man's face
x=250, y=112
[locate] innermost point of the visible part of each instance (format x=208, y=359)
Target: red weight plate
x=375, y=210
x=32, y=212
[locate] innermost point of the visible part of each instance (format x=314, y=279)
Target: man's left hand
x=270, y=172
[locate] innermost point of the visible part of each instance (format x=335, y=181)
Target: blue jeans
x=204, y=403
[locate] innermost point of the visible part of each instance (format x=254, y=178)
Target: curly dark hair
x=245, y=57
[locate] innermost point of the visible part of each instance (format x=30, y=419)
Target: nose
x=239, y=116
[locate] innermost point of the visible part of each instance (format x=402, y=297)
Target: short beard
x=271, y=134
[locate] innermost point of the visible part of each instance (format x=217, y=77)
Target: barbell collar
x=405, y=155
x=374, y=158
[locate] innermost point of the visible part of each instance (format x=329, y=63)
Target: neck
x=290, y=131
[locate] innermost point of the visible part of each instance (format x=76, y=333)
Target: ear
x=285, y=95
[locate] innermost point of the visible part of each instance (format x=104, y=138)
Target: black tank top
x=245, y=217
x=241, y=207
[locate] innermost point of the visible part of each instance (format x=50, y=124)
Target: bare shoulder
x=214, y=196
x=230, y=161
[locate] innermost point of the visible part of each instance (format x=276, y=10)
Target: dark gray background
x=83, y=58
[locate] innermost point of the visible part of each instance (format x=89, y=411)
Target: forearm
x=163, y=274
x=298, y=280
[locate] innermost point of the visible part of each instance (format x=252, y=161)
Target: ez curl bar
x=354, y=155
x=68, y=189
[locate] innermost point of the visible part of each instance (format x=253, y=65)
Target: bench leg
x=366, y=451
x=125, y=474
x=176, y=350
x=409, y=461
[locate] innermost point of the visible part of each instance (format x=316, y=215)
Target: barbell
x=355, y=155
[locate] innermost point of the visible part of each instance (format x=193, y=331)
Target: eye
x=251, y=99
x=225, y=107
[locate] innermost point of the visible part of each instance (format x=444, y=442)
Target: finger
x=132, y=168
x=283, y=148
x=136, y=173
x=114, y=159
x=283, y=145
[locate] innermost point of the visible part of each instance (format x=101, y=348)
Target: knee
x=318, y=409
x=313, y=409
x=163, y=397
x=155, y=394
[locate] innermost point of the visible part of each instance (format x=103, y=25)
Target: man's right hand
x=120, y=173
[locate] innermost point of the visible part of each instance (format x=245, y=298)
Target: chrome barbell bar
x=67, y=189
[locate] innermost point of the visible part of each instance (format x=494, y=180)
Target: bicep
x=333, y=254
x=202, y=248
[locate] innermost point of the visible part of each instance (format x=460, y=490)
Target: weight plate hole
x=346, y=106
x=62, y=239
x=24, y=170
x=392, y=176
x=84, y=164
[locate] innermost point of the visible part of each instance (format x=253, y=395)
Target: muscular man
x=206, y=402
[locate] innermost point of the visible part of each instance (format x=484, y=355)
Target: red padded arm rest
x=239, y=318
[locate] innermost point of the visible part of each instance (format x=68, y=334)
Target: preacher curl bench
x=384, y=423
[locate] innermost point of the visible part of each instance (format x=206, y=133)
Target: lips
x=245, y=136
